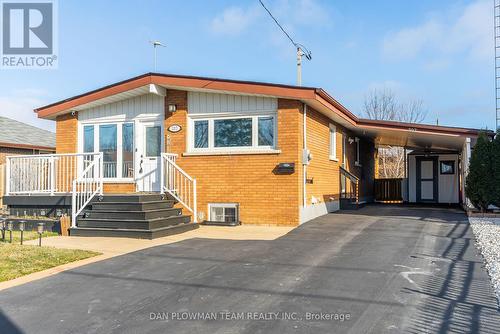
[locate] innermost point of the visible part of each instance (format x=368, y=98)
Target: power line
x=308, y=53
x=279, y=25
x=301, y=49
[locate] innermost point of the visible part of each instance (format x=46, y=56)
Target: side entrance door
x=427, y=179
x=148, y=154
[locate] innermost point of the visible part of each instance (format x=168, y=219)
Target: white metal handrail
x=88, y=184
x=176, y=182
x=44, y=173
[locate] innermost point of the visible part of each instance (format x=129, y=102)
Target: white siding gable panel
x=144, y=106
x=213, y=103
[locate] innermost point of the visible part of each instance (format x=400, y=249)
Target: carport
x=435, y=161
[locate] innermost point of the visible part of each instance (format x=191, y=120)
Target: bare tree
x=383, y=105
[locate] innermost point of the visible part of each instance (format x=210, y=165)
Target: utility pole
x=299, y=66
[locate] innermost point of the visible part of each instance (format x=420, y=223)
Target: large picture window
x=228, y=133
x=116, y=142
x=233, y=132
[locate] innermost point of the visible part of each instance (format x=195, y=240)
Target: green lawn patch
x=19, y=260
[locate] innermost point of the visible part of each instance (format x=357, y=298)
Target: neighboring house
x=17, y=138
x=228, y=150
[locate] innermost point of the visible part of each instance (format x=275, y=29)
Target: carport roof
x=416, y=136
x=383, y=132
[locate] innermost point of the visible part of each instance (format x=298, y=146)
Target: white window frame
x=333, y=142
x=357, y=163
x=119, y=145
x=224, y=205
x=255, y=132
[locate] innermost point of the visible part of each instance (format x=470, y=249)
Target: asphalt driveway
x=378, y=269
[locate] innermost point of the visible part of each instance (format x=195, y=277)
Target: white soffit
x=147, y=89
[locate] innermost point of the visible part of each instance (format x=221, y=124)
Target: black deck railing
x=349, y=185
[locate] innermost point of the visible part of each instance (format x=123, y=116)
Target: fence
x=389, y=190
x=2, y=184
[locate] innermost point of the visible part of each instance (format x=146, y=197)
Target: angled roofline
x=250, y=87
x=27, y=146
x=174, y=79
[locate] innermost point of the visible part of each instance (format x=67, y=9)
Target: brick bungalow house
x=219, y=150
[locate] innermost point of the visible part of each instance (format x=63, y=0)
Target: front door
x=427, y=181
x=148, y=155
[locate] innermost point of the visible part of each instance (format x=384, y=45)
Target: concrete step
x=131, y=206
x=134, y=198
x=350, y=204
x=132, y=224
x=132, y=233
x=133, y=215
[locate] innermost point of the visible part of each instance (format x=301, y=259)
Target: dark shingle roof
x=18, y=133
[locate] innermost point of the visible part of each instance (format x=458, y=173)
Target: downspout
x=304, y=165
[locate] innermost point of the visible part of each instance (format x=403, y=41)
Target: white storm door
x=148, y=156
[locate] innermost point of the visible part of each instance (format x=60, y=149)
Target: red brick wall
x=263, y=197
x=323, y=172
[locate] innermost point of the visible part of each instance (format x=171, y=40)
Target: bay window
x=229, y=133
x=116, y=142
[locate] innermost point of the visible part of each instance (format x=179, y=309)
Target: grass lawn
x=18, y=260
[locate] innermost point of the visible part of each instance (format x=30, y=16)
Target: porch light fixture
x=172, y=108
x=10, y=226
x=22, y=224
x=39, y=229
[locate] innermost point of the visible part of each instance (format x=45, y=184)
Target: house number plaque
x=174, y=128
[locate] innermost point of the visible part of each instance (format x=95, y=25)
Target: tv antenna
x=301, y=49
x=155, y=45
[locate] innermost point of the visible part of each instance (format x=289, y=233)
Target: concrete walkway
x=382, y=269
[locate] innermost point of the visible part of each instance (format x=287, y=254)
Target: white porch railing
x=79, y=174
x=178, y=183
x=45, y=173
x=88, y=184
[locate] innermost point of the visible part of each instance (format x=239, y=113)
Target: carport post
x=406, y=176
x=466, y=152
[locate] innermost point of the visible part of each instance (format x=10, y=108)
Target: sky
x=440, y=52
